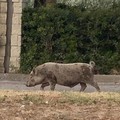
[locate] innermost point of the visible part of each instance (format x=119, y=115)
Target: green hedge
x=71, y=34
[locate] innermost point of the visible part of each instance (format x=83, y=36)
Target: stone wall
x=15, y=35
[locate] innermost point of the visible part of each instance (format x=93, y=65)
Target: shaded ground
x=59, y=106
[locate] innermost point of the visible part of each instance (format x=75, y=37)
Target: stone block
x=2, y=51
x=2, y=29
x=16, y=19
x=3, y=17
x=3, y=7
x=19, y=41
x=2, y=40
x=14, y=64
x=14, y=40
x=15, y=51
x=1, y=69
x=16, y=29
x=15, y=61
x=17, y=7
x=1, y=61
x=16, y=0
x=3, y=0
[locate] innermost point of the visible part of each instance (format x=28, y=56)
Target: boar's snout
x=27, y=84
x=30, y=83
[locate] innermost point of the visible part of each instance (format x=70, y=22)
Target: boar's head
x=34, y=79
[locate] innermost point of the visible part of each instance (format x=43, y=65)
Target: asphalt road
x=107, y=83
x=19, y=85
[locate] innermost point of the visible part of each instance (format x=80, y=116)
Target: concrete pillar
x=16, y=36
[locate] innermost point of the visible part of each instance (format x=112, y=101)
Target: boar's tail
x=92, y=63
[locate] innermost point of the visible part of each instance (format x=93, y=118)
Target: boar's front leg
x=44, y=85
x=51, y=80
x=83, y=86
x=52, y=86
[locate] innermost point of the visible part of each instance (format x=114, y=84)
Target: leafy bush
x=66, y=34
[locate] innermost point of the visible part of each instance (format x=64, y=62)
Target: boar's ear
x=33, y=70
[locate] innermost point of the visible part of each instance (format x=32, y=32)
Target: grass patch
x=91, y=98
x=47, y=97
x=79, y=98
x=33, y=98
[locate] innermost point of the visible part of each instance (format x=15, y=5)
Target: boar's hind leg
x=94, y=84
x=44, y=85
x=83, y=86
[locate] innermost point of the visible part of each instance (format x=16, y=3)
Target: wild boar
x=63, y=74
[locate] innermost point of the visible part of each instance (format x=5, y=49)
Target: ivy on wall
x=66, y=34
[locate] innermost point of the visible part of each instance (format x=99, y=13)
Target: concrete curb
x=107, y=78
x=13, y=77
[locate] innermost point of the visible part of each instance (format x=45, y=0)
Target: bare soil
x=15, y=105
